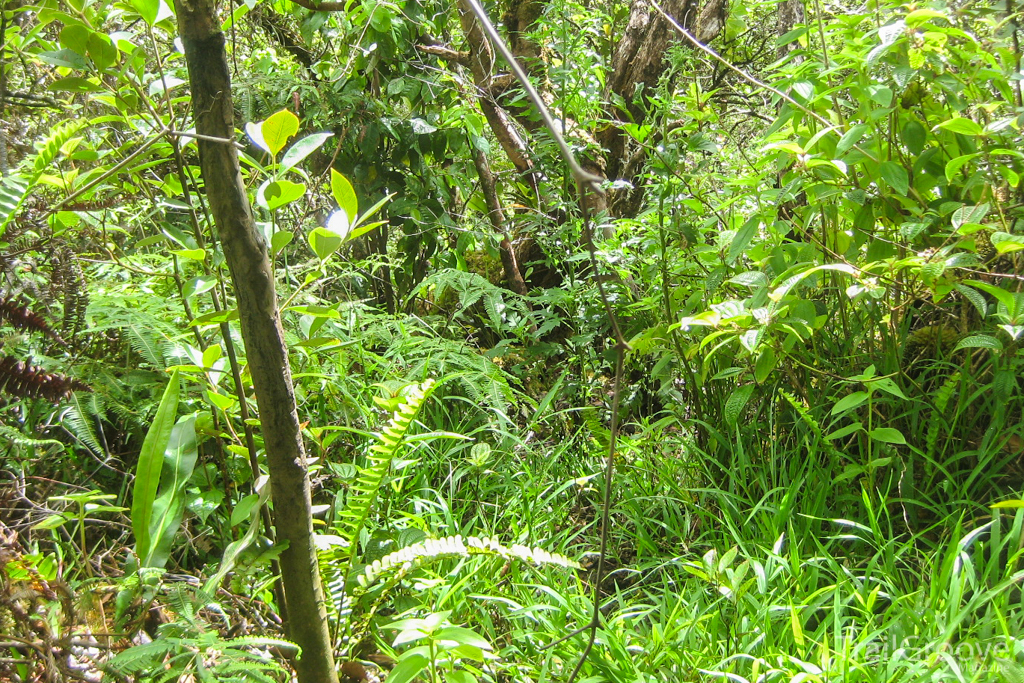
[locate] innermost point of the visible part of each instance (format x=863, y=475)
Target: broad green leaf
x=979, y=341
x=421, y=127
x=316, y=311
x=179, y=460
x=848, y=403
x=75, y=84
x=75, y=37
x=215, y=317
x=1008, y=504
x=409, y=666
x=147, y=9
x=896, y=176
x=280, y=240
x=324, y=242
x=742, y=239
x=243, y=509
x=914, y=137
x=782, y=290
x=975, y=297
x=953, y=166
x=101, y=50
x=1006, y=243
x=766, y=363
x=460, y=676
x=851, y=138
x=343, y=193
x=920, y=16
x=191, y=254
x=1002, y=296
x=736, y=402
x=162, y=85
x=199, y=285
x=887, y=435
x=751, y=278
x=363, y=229
x=463, y=636
x=278, y=129
x=889, y=387
x=302, y=149
x=51, y=522
x=961, y=125
x=844, y=431
x=969, y=214
x=281, y=192
x=148, y=470
x=372, y=211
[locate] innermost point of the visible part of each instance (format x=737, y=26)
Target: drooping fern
x=385, y=574
x=13, y=438
x=14, y=190
x=49, y=149
x=77, y=419
x=804, y=412
x=187, y=649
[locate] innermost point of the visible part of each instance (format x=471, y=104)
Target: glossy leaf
x=148, y=471
x=344, y=195
x=278, y=130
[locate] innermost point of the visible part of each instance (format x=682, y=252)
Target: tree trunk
x=637, y=64
x=791, y=15
x=253, y=278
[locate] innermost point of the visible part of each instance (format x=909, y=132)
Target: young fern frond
x=363, y=493
x=938, y=421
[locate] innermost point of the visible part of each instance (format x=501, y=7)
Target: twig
x=753, y=81
x=585, y=182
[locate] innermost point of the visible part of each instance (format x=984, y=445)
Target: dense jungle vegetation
x=331, y=351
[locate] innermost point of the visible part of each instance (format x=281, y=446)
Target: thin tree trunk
x=267, y=355
x=488, y=186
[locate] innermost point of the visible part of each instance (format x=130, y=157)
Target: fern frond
x=140, y=657
x=49, y=149
x=14, y=190
x=15, y=438
x=804, y=412
x=146, y=342
x=77, y=420
x=938, y=421
x=388, y=571
x=363, y=493
x=405, y=560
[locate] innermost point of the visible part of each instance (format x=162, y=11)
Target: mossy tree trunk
x=253, y=279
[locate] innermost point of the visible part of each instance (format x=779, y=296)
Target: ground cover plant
x=333, y=351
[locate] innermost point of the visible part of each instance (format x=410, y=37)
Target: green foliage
x=380, y=457
x=818, y=281
x=187, y=647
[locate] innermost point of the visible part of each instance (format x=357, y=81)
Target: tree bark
x=637, y=64
x=253, y=278
x=488, y=185
x=481, y=64
x=791, y=15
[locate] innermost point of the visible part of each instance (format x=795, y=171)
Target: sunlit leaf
x=278, y=129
